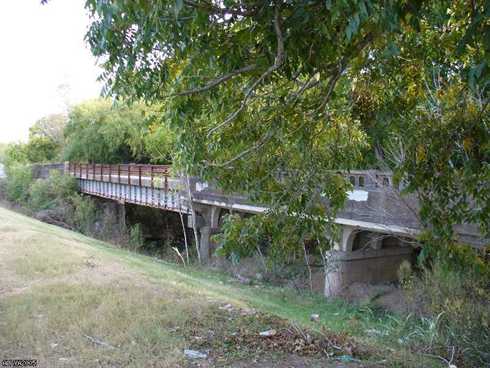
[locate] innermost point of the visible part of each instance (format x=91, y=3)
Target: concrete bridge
x=378, y=225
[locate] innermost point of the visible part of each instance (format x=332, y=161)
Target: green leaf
x=179, y=4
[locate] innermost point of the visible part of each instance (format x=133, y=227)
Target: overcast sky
x=44, y=62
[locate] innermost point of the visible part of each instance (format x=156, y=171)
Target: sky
x=45, y=63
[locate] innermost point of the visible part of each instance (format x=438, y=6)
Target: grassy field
x=71, y=301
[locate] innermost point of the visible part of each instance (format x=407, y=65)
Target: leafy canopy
x=104, y=132
x=255, y=89
x=44, y=144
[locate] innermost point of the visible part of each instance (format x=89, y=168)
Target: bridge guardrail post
x=151, y=185
x=166, y=187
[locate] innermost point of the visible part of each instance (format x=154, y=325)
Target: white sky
x=41, y=50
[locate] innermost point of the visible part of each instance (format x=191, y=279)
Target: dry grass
x=70, y=301
x=69, y=304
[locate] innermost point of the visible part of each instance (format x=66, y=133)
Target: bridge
x=378, y=224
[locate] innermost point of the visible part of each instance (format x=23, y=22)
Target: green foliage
x=44, y=145
x=84, y=213
x=250, y=100
x=272, y=235
x=241, y=237
x=427, y=115
x=40, y=150
x=50, y=127
x=52, y=192
x=46, y=139
x=19, y=180
x=106, y=132
x=3, y=148
x=159, y=142
x=15, y=154
x=136, y=240
x=455, y=291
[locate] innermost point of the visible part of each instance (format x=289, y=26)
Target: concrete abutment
x=364, y=257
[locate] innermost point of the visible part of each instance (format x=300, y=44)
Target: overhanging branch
x=279, y=61
x=243, y=153
x=216, y=82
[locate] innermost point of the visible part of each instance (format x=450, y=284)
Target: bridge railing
x=131, y=174
x=369, y=179
x=149, y=185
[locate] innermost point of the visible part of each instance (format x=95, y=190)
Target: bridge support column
x=208, y=226
x=204, y=245
x=121, y=214
x=347, y=238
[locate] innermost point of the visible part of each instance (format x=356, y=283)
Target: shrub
x=52, y=192
x=136, y=240
x=455, y=289
x=18, y=182
x=239, y=237
x=84, y=213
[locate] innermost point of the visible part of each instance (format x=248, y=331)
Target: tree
x=14, y=153
x=44, y=144
x=100, y=131
x=3, y=147
x=256, y=89
x=50, y=127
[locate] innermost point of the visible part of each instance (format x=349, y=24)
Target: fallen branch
x=97, y=341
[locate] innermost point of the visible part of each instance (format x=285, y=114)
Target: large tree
x=260, y=88
x=50, y=127
x=44, y=144
x=101, y=131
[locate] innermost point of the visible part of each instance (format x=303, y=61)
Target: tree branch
x=331, y=85
x=342, y=66
x=310, y=83
x=277, y=64
x=218, y=10
x=216, y=81
x=245, y=152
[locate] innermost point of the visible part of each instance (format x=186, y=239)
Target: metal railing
x=151, y=185
x=131, y=174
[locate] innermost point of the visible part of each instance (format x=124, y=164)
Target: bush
x=18, y=182
x=136, y=240
x=455, y=291
x=84, y=213
x=55, y=191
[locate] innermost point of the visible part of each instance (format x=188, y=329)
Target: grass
x=69, y=300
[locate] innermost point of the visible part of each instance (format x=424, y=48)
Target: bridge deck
x=374, y=205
